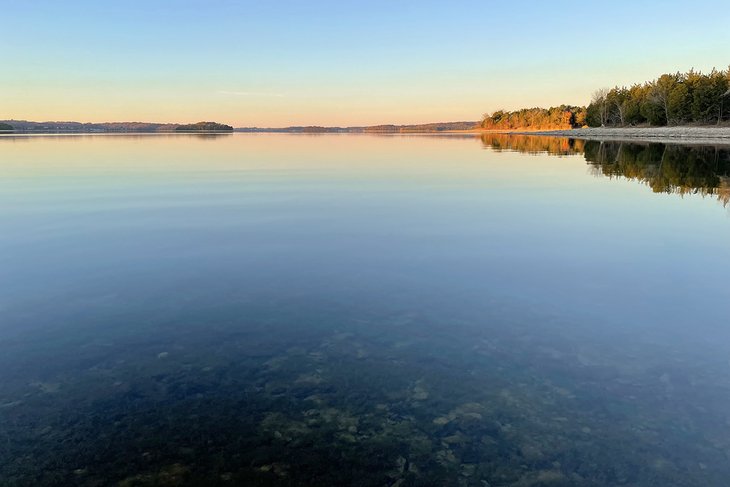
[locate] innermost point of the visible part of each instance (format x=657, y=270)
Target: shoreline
x=679, y=134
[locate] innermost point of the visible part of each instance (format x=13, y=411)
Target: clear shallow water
x=322, y=310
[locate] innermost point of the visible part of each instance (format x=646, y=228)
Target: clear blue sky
x=337, y=63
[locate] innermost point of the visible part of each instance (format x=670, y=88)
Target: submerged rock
x=419, y=392
x=442, y=420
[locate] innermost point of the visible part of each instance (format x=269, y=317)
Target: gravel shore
x=685, y=135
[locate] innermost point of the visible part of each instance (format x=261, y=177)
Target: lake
x=275, y=309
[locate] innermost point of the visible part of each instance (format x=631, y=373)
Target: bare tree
x=599, y=99
x=621, y=102
x=660, y=93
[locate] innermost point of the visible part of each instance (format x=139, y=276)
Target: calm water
x=358, y=310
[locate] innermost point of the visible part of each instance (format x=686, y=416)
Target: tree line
x=204, y=127
x=671, y=99
x=554, y=118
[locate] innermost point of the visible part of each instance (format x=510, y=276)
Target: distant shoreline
x=113, y=132
x=30, y=127
x=678, y=134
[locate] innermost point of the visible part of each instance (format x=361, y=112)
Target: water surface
x=256, y=309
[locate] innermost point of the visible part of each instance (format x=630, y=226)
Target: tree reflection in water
x=665, y=168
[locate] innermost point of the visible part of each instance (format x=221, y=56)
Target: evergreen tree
x=672, y=99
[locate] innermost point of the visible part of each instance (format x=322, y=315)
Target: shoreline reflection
x=665, y=168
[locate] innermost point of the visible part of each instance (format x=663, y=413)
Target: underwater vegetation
x=352, y=398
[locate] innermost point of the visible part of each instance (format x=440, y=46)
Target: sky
x=283, y=63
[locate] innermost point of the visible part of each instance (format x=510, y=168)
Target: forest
x=555, y=118
x=691, y=98
x=671, y=99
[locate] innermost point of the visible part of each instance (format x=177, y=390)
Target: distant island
x=4, y=127
x=111, y=127
x=204, y=127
